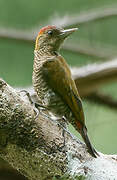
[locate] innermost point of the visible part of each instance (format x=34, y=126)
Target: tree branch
x=89, y=78
x=82, y=47
x=90, y=15
x=104, y=99
x=69, y=21
x=35, y=146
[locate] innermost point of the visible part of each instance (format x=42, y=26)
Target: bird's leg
x=28, y=95
x=62, y=123
x=35, y=105
x=41, y=105
x=31, y=102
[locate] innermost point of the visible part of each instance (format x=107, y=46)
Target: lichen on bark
x=35, y=146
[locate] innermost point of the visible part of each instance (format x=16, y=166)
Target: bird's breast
x=46, y=94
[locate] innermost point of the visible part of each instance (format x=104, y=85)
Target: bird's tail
x=91, y=150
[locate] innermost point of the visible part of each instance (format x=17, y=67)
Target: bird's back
x=56, y=89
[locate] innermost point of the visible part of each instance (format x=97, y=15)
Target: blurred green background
x=16, y=56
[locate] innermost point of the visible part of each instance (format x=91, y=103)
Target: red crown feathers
x=46, y=28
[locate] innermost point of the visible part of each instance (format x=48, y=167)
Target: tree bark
x=35, y=146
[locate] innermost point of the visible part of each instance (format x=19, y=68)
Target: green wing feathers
x=58, y=76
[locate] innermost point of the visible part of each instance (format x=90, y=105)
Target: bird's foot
x=63, y=134
x=27, y=94
x=62, y=124
x=38, y=105
x=36, y=110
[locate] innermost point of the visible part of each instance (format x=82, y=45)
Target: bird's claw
x=62, y=124
x=37, y=105
x=32, y=103
x=28, y=95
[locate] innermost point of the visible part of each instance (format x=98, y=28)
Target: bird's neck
x=45, y=51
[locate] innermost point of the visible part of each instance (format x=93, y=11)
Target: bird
x=53, y=81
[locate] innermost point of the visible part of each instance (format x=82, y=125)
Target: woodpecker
x=53, y=82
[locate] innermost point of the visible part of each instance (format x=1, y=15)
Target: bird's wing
x=58, y=76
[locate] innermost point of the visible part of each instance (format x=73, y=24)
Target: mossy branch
x=35, y=146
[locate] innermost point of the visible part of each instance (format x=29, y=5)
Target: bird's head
x=52, y=37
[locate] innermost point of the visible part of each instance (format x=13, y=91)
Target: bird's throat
x=46, y=51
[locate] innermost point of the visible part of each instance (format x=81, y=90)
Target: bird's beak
x=65, y=33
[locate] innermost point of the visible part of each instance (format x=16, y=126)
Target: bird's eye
x=50, y=32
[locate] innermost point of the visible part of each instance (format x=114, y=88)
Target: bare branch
x=32, y=146
x=90, y=15
x=89, y=78
x=72, y=20
x=106, y=51
x=103, y=52
x=104, y=99
x=14, y=34
x=35, y=146
x=69, y=21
